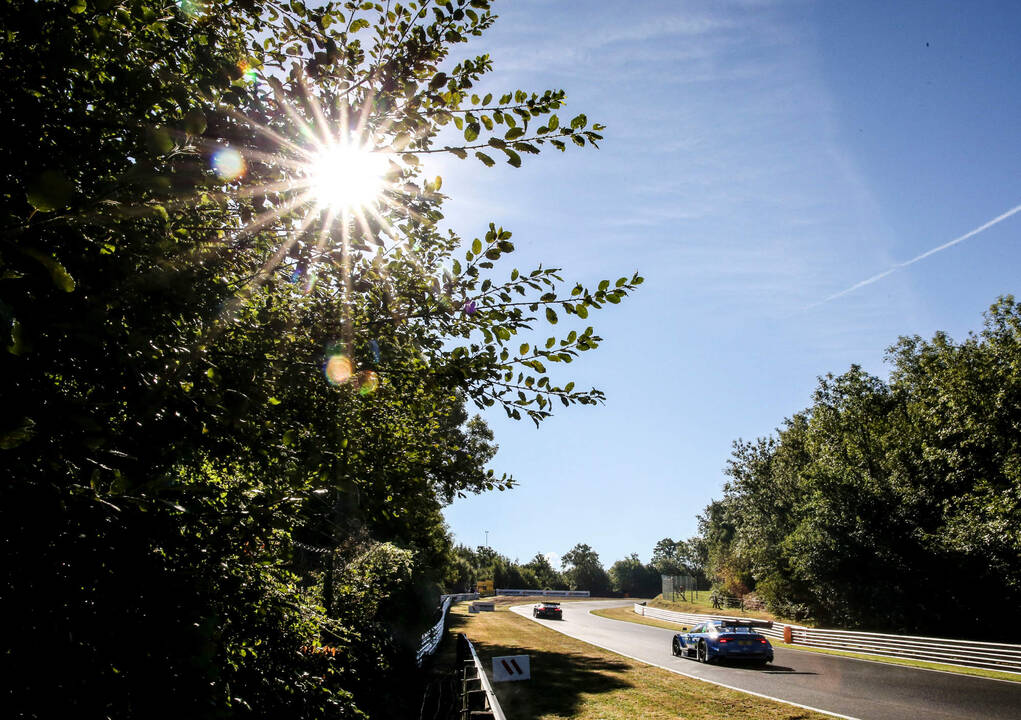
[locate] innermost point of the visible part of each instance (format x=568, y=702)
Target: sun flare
x=346, y=176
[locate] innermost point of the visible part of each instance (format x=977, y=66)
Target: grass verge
x=627, y=614
x=700, y=604
x=577, y=681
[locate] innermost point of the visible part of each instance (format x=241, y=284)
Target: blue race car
x=725, y=640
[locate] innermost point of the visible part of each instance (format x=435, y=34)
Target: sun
x=346, y=176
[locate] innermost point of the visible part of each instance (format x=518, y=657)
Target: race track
x=846, y=687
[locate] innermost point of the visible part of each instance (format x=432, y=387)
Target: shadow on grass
x=559, y=680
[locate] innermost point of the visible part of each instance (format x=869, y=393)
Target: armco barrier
x=476, y=702
x=544, y=593
x=964, y=653
x=431, y=638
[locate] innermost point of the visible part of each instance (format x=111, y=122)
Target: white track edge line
x=684, y=674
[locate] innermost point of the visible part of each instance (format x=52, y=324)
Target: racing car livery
x=547, y=610
x=725, y=640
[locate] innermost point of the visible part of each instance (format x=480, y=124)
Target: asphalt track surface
x=841, y=686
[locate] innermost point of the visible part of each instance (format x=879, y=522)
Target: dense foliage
x=888, y=505
x=484, y=563
x=681, y=557
x=581, y=570
x=584, y=571
x=632, y=577
x=230, y=415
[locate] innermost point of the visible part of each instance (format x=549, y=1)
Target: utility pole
x=487, y=537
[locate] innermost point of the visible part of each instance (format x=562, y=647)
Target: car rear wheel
x=703, y=652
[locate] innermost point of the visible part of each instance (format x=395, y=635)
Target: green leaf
x=554, y=122
x=471, y=131
x=274, y=401
x=19, y=345
x=513, y=159
x=19, y=435
x=523, y=350
x=579, y=122
x=58, y=274
x=476, y=246
x=195, y=122
x=158, y=140
x=49, y=191
x=489, y=162
x=603, y=284
x=551, y=316
x=582, y=311
x=514, y=133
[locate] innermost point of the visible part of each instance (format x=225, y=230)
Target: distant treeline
x=889, y=505
x=580, y=569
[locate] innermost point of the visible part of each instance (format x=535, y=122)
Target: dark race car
x=547, y=610
x=725, y=640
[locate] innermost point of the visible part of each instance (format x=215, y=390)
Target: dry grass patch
x=572, y=679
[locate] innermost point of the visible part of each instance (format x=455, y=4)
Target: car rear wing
x=767, y=624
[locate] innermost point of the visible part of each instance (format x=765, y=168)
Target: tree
x=583, y=571
x=632, y=577
x=232, y=410
x=546, y=576
x=863, y=506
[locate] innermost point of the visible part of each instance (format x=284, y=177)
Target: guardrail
x=477, y=696
x=431, y=638
x=459, y=597
x=963, y=653
x=545, y=593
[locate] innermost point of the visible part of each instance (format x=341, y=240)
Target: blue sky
x=760, y=157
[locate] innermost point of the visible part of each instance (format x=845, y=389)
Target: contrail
x=998, y=219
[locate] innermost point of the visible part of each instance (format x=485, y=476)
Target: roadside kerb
x=962, y=653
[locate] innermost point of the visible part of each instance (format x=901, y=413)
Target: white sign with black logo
x=511, y=667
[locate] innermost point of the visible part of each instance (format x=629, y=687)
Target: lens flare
x=229, y=164
x=338, y=369
x=347, y=176
x=249, y=73
x=368, y=382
